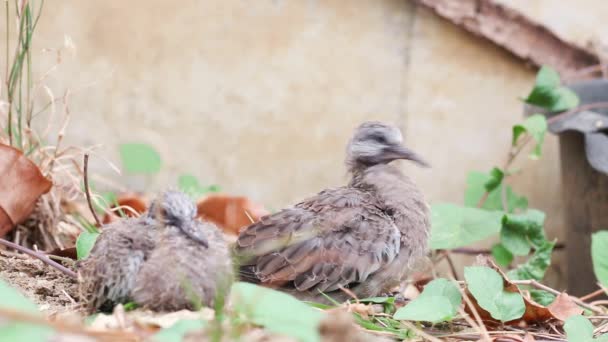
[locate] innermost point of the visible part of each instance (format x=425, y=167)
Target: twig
x=448, y=258
x=481, y=327
x=41, y=257
x=477, y=251
x=540, y=286
x=420, y=332
x=589, y=106
x=63, y=259
x=593, y=294
x=87, y=191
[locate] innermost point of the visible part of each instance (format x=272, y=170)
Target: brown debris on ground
x=50, y=289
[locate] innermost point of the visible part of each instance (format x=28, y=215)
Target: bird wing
x=333, y=239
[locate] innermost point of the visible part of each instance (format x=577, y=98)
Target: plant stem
x=87, y=191
x=540, y=286
x=40, y=257
x=596, y=105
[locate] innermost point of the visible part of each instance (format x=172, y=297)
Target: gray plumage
x=107, y=275
x=190, y=265
x=364, y=236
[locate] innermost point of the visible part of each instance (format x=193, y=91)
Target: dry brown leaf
x=231, y=213
x=133, y=201
x=21, y=184
x=563, y=307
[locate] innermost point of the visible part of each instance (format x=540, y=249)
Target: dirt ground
x=50, y=289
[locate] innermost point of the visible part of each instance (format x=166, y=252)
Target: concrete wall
x=261, y=97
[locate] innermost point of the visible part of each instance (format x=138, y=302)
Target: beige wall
x=260, y=97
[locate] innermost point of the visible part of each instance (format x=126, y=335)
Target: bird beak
x=402, y=152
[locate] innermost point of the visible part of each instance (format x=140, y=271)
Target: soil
x=50, y=289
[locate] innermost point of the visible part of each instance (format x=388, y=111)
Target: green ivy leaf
x=176, y=332
x=14, y=331
x=549, y=94
x=542, y=297
x=84, y=243
x=486, y=285
x=478, y=183
x=502, y=255
x=536, y=126
x=439, y=301
x=140, y=158
x=496, y=177
x=454, y=226
x=528, y=224
x=536, y=266
x=599, y=255
x=191, y=186
x=276, y=311
x=514, y=241
x=579, y=329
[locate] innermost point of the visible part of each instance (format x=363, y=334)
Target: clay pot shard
x=21, y=184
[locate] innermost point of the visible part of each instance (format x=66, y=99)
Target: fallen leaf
x=563, y=307
x=131, y=200
x=21, y=184
x=231, y=213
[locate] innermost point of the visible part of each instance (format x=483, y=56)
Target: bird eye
x=380, y=139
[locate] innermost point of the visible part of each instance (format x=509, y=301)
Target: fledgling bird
x=365, y=236
x=107, y=274
x=191, y=263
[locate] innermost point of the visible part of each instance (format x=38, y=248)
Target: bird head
x=175, y=208
x=378, y=143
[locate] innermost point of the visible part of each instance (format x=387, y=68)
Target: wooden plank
x=585, y=196
x=513, y=31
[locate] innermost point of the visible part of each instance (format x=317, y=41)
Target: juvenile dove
x=107, y=275
x=365, y=236
x=191, y=263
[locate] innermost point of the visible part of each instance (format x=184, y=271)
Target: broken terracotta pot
x=231, y=213
x=21, y=184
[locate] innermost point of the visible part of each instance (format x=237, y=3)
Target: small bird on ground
x=365, y=236
x=107, y=274
x=191, y=264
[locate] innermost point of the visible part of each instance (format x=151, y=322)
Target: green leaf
x=176, y=332
x=84, y=243
x=454, y=226
x=496, y=177
x=549, y=94
x=536, y=126
x=547, y=77
x=514, y=241
x=529, y=223
x=486, y=285
x=502, y=255
x=477, y=183
x=14, y=331
x=429, y=309
x=276, y=311
x=439, y=301
x=190, y=185
x=536, y=266
x=140, y=158
x=599, y=255
x=578, y=329
x=542, y=297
